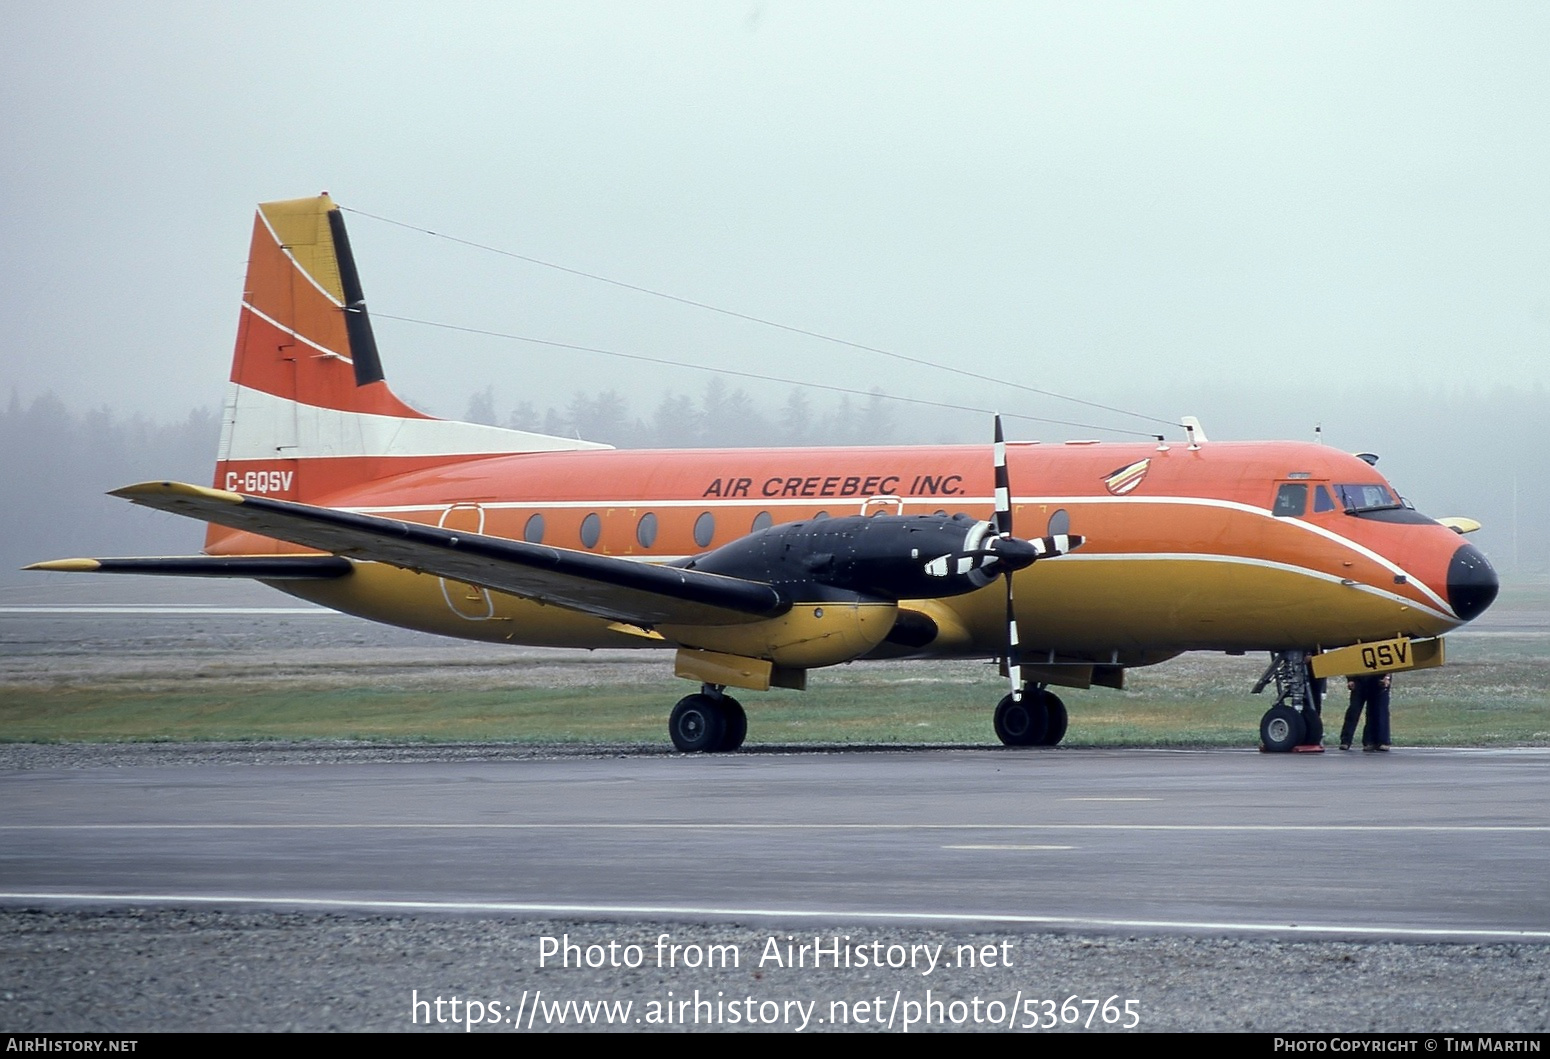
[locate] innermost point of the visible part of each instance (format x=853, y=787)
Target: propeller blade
x=1014, y=553
x=1003, y=520
x=1014, y=667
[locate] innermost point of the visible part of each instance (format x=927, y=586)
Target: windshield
x=1365, y=497
x=1377, y=503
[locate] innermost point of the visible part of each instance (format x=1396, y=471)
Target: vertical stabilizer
x=308, y=411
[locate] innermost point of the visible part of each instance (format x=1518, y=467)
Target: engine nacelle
x=879, y=557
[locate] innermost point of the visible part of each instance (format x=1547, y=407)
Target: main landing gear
x=1039, y=719
x=708, y=722
x=1294, y=720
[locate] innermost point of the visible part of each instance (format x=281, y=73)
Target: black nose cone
x=1472, y=583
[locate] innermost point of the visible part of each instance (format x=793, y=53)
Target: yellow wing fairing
x=609, y=587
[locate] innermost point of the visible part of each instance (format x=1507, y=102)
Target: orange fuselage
x=1185, y=548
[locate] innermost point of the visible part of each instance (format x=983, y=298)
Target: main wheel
x=698, y=724
x=1281, y=729
x=1021, y=723
x=736, y=724
x=1055, y=720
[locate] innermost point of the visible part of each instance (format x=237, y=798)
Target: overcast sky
x=1115, y=201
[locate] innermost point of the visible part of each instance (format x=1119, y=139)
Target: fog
x=1272, y=217
x=1463, y=452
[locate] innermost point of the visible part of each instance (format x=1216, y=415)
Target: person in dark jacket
x=1371, y=693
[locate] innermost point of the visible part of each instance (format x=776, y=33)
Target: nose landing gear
x=1294, y=721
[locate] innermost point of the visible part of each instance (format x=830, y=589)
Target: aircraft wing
x=637, y=593
x=257, y=567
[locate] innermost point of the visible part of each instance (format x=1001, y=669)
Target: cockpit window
x=1291, y=500
x=1365, y=497
x=1322, y=501
x=1377, y=503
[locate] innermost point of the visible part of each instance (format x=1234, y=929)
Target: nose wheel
x=1281, y=730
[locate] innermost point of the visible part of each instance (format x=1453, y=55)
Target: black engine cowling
x=883, y=557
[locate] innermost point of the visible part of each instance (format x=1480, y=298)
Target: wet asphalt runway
x=1413, y=844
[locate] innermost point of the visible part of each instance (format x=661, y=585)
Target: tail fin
x=308, y=412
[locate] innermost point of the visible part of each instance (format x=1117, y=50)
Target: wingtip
x=148, y=490
x=67, y=566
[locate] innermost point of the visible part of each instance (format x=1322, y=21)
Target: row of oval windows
x=646, y=528
x=704, y=527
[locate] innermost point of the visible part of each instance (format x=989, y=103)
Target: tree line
x=720, y=416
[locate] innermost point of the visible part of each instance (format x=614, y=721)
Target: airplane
x=756, y=566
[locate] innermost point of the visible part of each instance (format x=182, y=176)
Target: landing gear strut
x=708, y=722
x=1039, y=719
x=1294, y=720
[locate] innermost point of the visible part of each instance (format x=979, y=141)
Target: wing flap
x=637, y=593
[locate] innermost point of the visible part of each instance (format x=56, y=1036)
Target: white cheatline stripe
x=1234, y=505
x=948, y=502
x=849, y=505
x=1322, y=829
x=1240, y=560
x=297, y=335
x=1267, y=564
x=1365, y=929
x=297, y=264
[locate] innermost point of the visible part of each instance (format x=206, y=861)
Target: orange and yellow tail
x=308, y=412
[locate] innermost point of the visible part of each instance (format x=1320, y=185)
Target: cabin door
x=465, y=600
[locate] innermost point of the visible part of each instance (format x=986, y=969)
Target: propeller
x=1003, y=524
x=990, y=550
x=1015, y=553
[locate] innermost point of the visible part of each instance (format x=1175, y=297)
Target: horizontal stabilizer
x=257, y=567
x=619, y=589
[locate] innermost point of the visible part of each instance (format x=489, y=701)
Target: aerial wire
x=644, y=358
x=919, y=361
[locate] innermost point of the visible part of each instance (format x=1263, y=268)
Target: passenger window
x=1291, y=500
x=1322, y=501
x=705, y=529
x=1059, y=522
x=533, y=532
x=646, y=530
x=762, y=521
x=591, y=530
